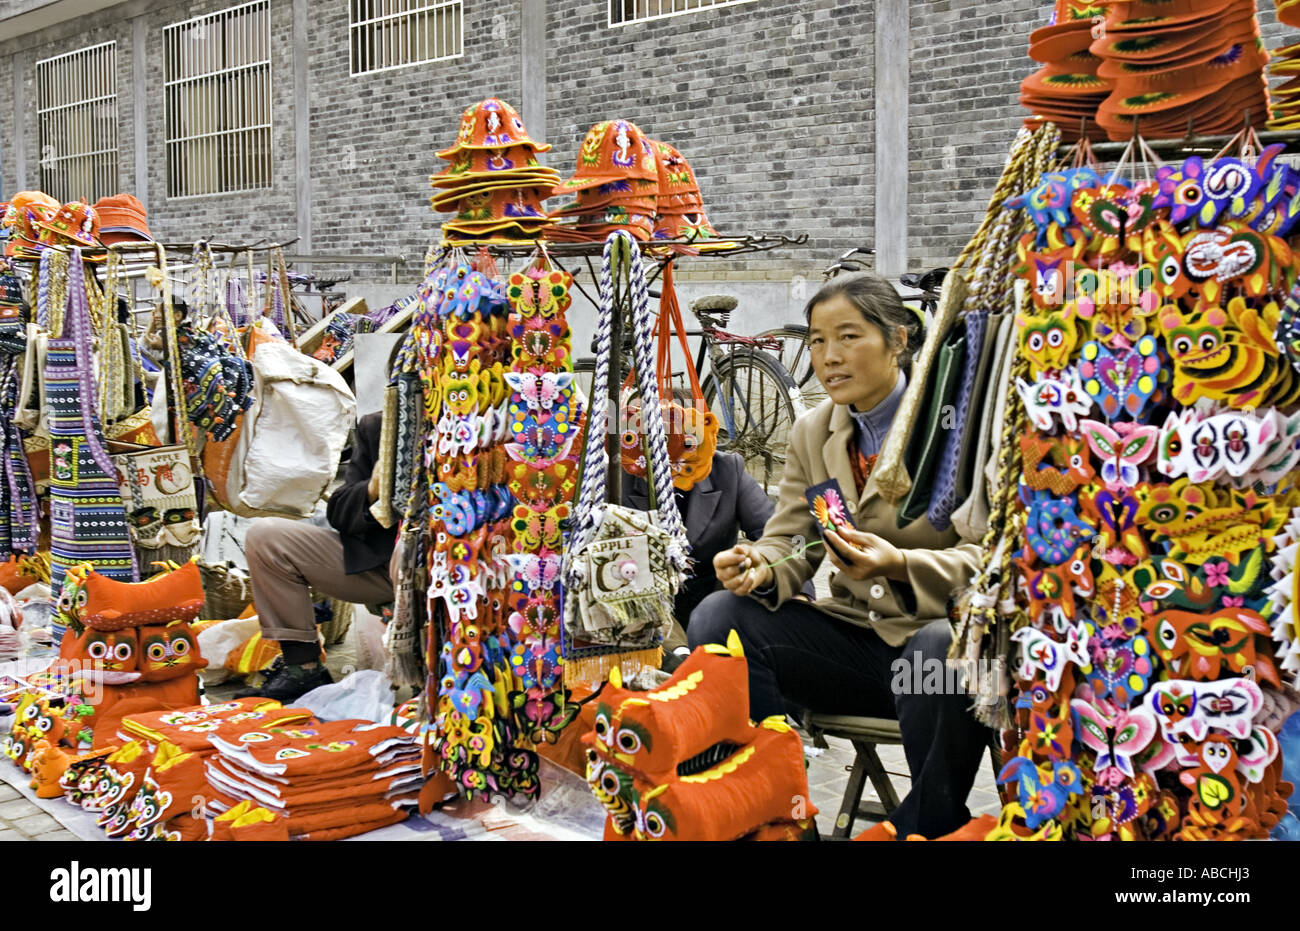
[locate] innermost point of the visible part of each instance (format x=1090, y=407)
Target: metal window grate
x=388, y=34
x=622, y=12
x=218, y=94
x=77, y=116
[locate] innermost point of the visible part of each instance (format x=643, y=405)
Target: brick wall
x=374, y=136
x=770, y=101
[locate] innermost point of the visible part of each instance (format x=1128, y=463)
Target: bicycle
x=746, y=387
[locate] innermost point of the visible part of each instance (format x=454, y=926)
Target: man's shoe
x=290, y=682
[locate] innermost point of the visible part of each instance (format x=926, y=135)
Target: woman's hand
x=741, y=569
x=861, y=555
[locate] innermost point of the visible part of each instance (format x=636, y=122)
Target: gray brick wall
x=771, y=102
x=374, y=136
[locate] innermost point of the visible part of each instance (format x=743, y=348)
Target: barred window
x=218, y=88
x=622, y=12
x=395, y=33
x=77, y=116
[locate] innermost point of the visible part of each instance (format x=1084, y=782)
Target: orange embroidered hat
x=122, y=218
x=26, y=210
x=676, y=176
x=75, y=223
x=447, y=200
x=1288, y=12
x=611, y=151
x=1069, y=30
x=491, y=124
x=485, y=164
x=1150, y=15
x=522, y=205
x=1052, y=82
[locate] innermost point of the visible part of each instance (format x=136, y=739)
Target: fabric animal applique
x=1043, y=791
x=1053, y=529
x=1049, y=398
x=1226, y=354
x=1205, y=447
x=1048, y=203
x=1234, y=253
x=1162, y=256
x=168, y=652
x=1120, y=667
x=1057, y=464
x=1053, y=590
x=1122, y=448
x=1115, y=735
x=1184, y=706
x=1121, y=381
x=1040, y=653
x=1048, y=340
x=1218, y=801
x=1180, y=189
x=1114, y=514
x=1204, y=646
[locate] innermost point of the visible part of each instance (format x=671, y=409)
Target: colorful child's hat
x=611, y=151
x=75, y=223
x=491, y=124
x=474, y=165
x=26, y=210
x=122, y=218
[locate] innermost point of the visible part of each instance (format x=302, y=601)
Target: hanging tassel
x=593, y=671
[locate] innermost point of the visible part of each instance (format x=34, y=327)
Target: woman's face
x=850, y=355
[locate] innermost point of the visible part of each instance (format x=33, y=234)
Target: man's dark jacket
x=366, y=543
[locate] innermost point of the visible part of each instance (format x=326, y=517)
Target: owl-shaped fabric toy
x=169, y=652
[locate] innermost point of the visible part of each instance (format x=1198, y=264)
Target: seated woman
x=839, y=655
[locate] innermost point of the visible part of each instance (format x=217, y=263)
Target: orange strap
x=670, y=322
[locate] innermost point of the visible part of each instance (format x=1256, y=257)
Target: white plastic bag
x=367, y=695
x=292, y=437
x=218, y=641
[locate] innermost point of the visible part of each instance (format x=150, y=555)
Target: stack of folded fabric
x=494, y=184
x=679, y=206
x=327, y=780
x=1068, y=89
x=1286, y=64
x=616, y=186
x=1180, y=65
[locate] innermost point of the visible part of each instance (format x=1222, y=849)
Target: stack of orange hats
x=23, y=217
x=679, y=206
x=494, y=183
x=1286, y=64
x=1180, y=64
x=1068, y=89
x=616, y=186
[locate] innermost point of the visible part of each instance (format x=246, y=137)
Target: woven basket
x=225, y=595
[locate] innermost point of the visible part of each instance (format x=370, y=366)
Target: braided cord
x=78, y=331
x=652, y=420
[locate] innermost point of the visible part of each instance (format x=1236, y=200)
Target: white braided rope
x=621, y=246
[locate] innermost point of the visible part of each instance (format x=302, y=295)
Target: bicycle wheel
x=797, y=359
x=756, y=402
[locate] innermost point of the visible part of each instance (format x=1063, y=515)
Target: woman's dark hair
x=879, y=304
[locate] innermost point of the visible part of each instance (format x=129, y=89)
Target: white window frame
x=368, y=17
x=62, y=83
x=233, y=160
x=691, y=6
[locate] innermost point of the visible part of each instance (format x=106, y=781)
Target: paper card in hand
x=827, y=503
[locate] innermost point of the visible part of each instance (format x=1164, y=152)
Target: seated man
x=349, y=562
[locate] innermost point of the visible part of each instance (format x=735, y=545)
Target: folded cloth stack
x=1067, y=90
x=616, y=186
x=189, y=728
x=327, y=780
x=495, y=184
x=1181, y=65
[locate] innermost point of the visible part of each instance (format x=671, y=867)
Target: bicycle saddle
x=724, y=303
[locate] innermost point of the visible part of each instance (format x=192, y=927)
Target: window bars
x=622, y=12
x=77, y=118
x=387, y=34
x=217, y=76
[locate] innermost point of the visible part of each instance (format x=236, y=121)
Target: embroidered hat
x=75, y=223
x=122, y=218
x=476, y=165
x=514, y=205
x=26, y=210
x=1069, y=31
x=1148, y=15
x=491, y=124
x=613, y=150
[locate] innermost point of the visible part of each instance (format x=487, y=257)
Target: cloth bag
x=87, y=519
x=291, y=439
x=622, y=567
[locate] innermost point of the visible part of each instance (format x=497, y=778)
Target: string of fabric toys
x=1159, y=444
